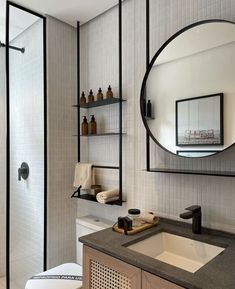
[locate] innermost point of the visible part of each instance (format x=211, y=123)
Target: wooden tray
x=135, y=230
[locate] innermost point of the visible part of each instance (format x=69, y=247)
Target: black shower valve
x=23, y=171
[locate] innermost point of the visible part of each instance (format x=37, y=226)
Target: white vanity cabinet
x=103, y=271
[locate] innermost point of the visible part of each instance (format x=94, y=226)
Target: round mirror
x=188, y=92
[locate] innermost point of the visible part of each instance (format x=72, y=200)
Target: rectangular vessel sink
x=178, y=251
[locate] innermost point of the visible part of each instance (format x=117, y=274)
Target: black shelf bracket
x=76, y=194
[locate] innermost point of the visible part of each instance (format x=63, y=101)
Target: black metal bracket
x=22, y=50
x=76, y=194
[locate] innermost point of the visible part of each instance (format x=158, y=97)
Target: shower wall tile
x=62, y=146
x=2, y=165
x=167, y=194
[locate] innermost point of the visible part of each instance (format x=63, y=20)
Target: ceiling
x=68, y=11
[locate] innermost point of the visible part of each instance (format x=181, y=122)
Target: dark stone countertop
x=219, y=273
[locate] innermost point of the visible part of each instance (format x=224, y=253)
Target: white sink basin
x=178, y=251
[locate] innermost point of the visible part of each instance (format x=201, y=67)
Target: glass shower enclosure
x=22, y=146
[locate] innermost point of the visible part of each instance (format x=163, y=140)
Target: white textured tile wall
x=2, y=164
x=26, y=145
x=166, y=194
x=62, y=146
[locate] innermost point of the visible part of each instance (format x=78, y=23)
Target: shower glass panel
x=2, y=149
x=26, y=130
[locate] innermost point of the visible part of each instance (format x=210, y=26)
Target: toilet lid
x=68, y=278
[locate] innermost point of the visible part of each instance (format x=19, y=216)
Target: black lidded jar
x=134, y=215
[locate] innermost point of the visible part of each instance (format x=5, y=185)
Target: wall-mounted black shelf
x=149, y=118
x=106, y=167
x=102, y=134
x=93, y=199
x=97, y=103
x=193, y=172
x=114, y=100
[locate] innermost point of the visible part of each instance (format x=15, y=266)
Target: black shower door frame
x=8, y=193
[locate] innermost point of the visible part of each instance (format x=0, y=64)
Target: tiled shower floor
x=3, y=283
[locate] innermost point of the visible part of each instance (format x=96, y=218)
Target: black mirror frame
x=143, y=86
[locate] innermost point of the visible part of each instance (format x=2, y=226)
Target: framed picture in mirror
x=199, y=121
x=194, y=153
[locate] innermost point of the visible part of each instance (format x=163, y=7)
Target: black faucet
x=194, y=213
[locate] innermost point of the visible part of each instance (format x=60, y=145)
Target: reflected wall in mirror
x=190, y=82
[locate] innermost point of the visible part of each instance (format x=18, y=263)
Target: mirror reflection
x=190, y=91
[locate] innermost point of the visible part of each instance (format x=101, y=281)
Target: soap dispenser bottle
x=83, y=98
x=149, y=109
x=91, y=96
x=109, y=93
x=92, y=125
x=84, y=126
x=99, y=95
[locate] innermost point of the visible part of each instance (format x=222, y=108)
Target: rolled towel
x=84, y=176
x=149, y=218
x=108, y=196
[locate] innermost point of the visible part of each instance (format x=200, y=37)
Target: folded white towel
x=149, y=218
x=108, y=196
x=84, y=176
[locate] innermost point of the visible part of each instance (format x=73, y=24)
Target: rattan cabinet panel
x=102, y=271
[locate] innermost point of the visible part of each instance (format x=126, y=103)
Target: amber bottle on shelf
x=109, y=93
x=92, y=125
x=84, y=126
x=83, y=98
x=91, y=96
x=99, y=95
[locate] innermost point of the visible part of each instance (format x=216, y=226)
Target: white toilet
x=68, y=276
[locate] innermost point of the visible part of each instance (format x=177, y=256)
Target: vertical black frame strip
x=78, y=89
x=120, y=98
x=147, y=64
x=45, y=141
x=7, y=151
x=8, y=4
x=78, y=97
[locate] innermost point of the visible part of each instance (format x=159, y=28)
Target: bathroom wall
x=167, y=194
x=2, y=164
x=62, y=145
